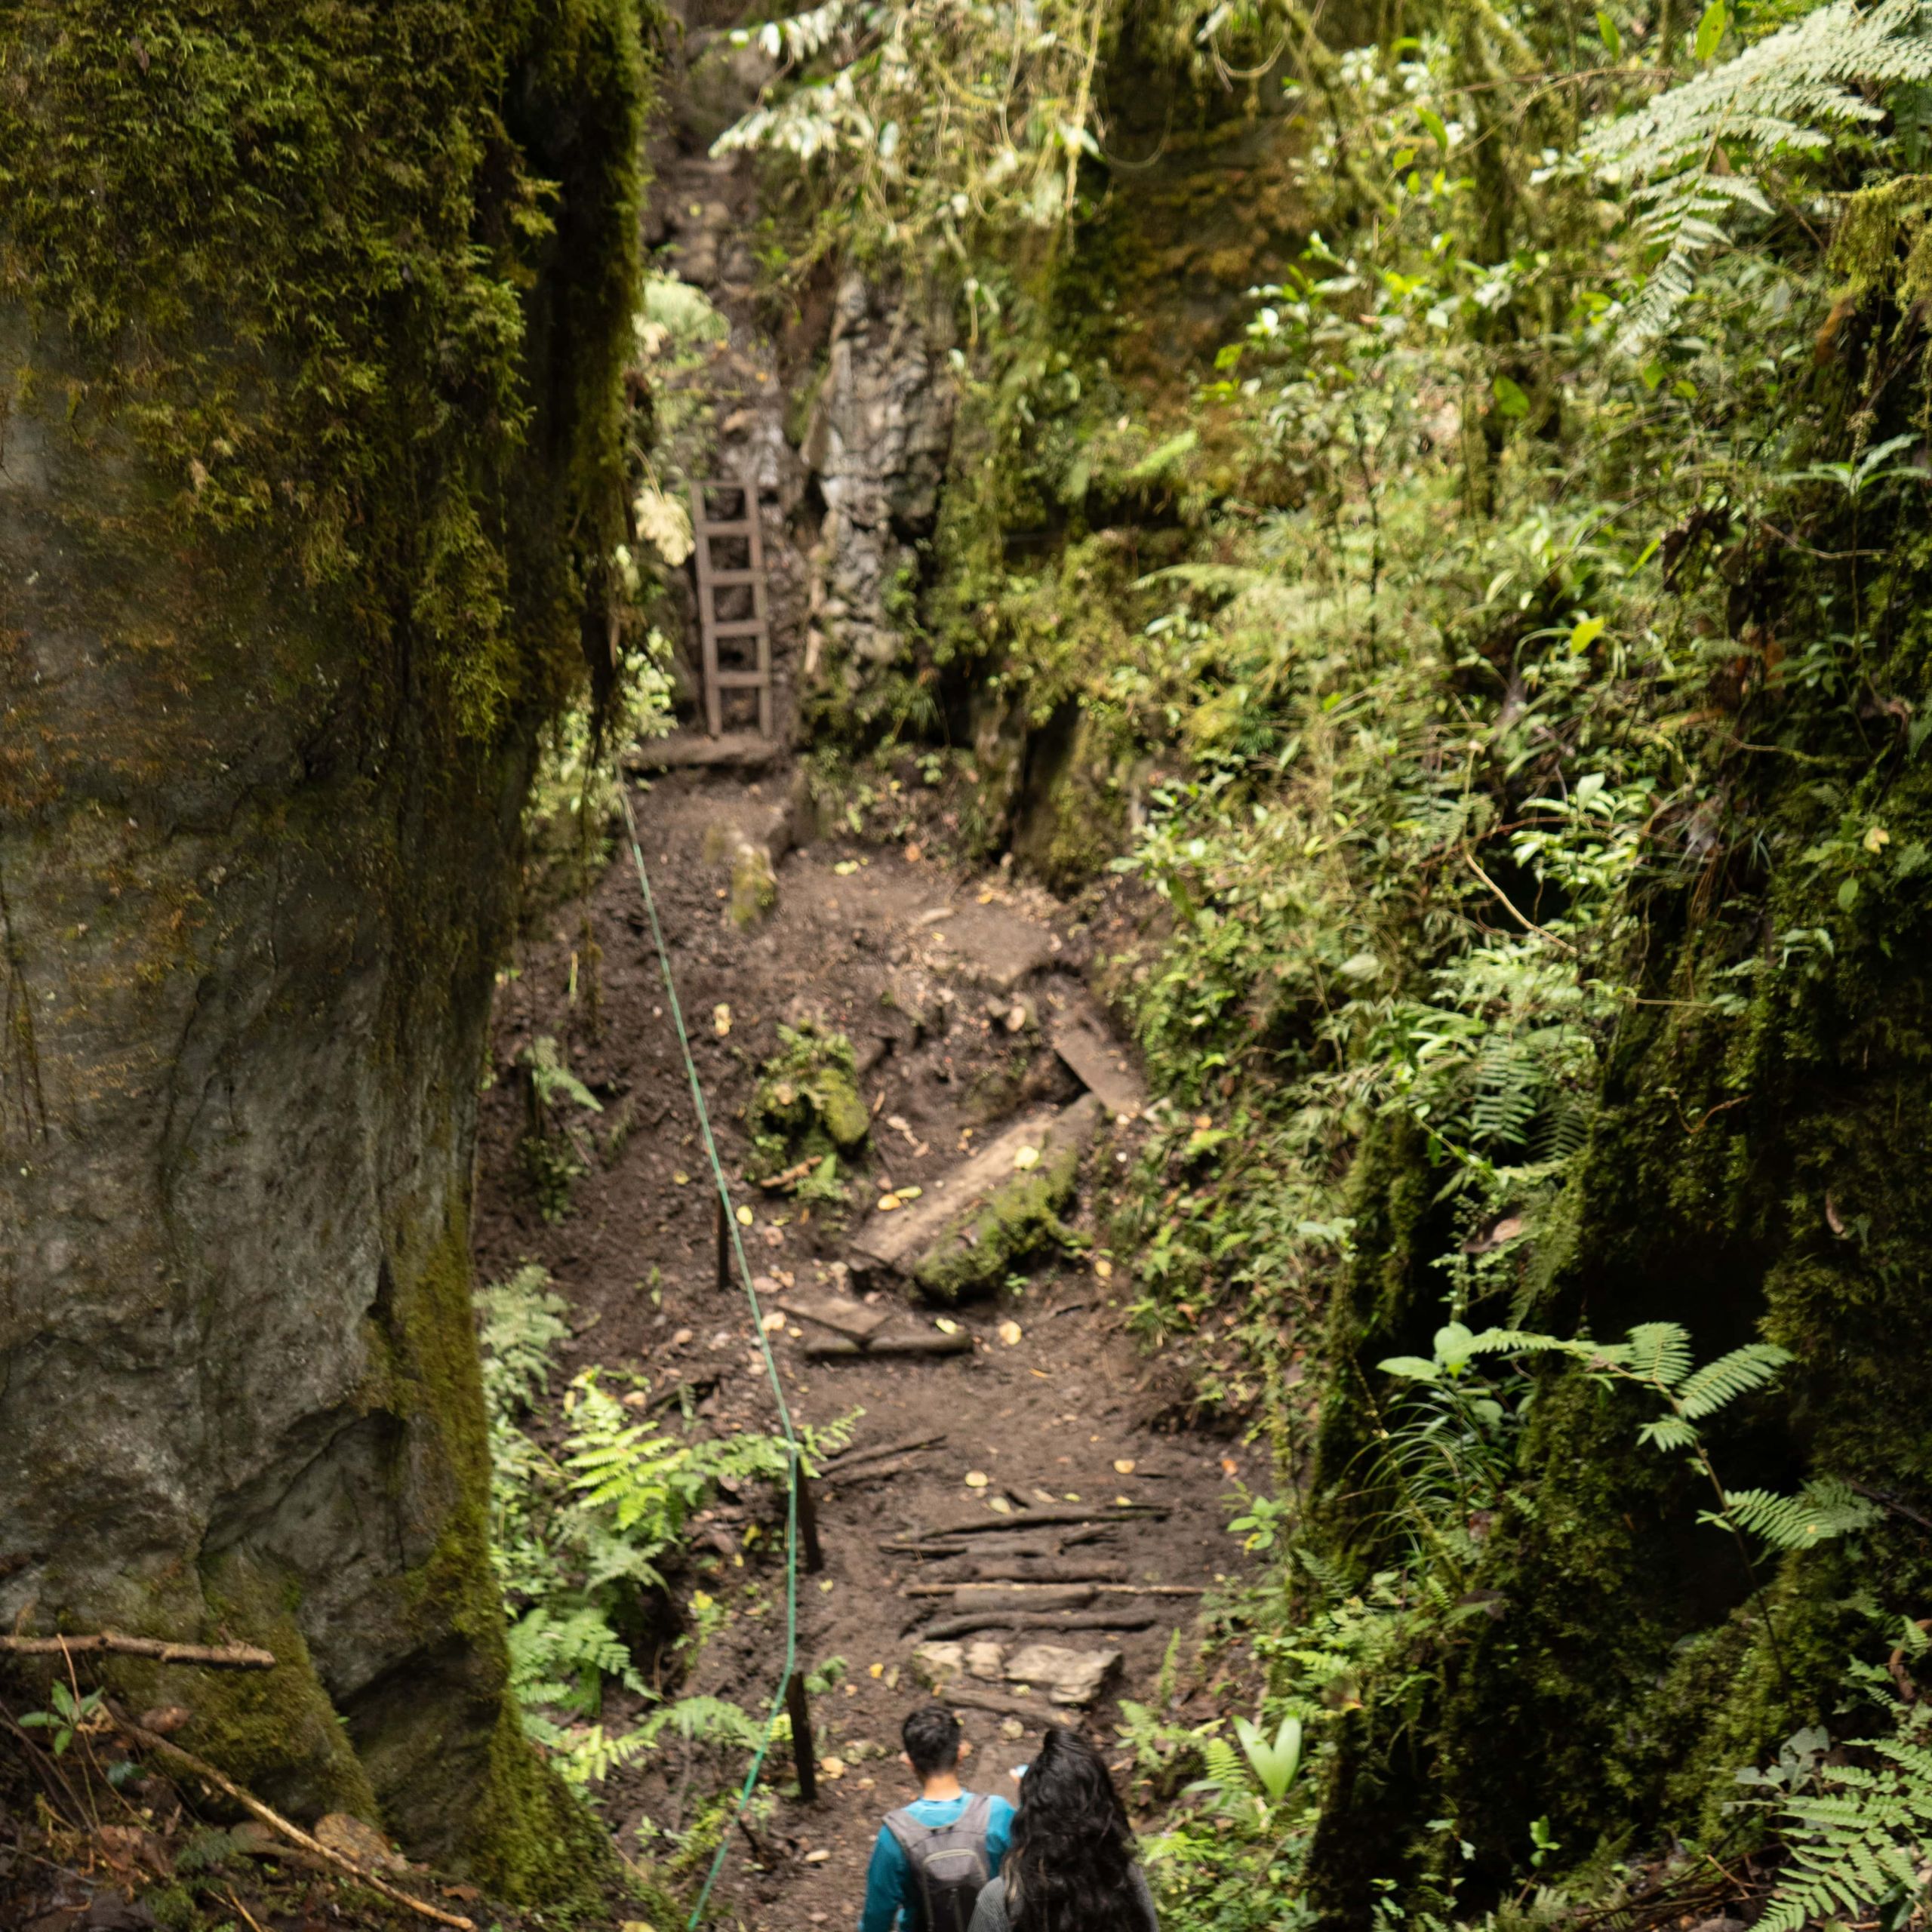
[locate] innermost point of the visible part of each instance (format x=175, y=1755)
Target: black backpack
x=949, y=1864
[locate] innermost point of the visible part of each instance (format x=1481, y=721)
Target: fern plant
x=1695, y=156
x=1861, y=1839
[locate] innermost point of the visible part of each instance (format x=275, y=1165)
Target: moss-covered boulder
x=806, y=1105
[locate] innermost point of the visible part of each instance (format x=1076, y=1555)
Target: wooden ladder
x=754, y=631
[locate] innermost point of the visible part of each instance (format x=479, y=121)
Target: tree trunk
x=303, y=412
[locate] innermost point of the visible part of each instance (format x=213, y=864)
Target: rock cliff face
x=271, y=654
x=880, y=434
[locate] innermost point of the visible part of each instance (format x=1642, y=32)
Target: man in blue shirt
x=896, y=1892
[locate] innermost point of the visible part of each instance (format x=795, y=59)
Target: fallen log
x=959, y=1698
x=968, y=1621
x=932, y=1343
x=209, y=1656
x=1005, y=1570
x=979, y=1596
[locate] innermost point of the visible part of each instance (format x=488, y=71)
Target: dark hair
x=930, y=1736
x=1069, y=1868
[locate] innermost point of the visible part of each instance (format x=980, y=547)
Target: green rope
x=771, y=1369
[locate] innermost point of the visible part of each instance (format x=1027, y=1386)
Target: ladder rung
x=741, y=680
x=721, y=579
x=747, y=627
x=725, y=530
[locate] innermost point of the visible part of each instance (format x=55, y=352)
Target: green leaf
x=1438, y=133
x=1412, y=1368
x=1710, y=28
x=1607, y=32
x=1511, y=398
x=1585, y=634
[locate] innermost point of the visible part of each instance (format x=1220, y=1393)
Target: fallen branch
x=849, y=1459
x=210, y=1657
x=964, y=1625
x=873, y=1473
x=159, y=1746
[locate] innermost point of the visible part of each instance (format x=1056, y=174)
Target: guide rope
x=770, y=1365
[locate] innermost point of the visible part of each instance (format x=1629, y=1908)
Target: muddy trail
x=952, y=990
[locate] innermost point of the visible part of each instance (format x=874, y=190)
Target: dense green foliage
x=1512, y=653
x=243, y=252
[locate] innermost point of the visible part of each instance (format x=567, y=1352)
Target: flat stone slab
x=1068, y=1677
x=1097, y=1060
x=990, y=945
x=1045, y=1145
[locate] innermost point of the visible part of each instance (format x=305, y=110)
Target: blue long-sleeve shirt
x=889, y=1882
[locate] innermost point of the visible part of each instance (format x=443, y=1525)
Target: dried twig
x=849, y=1459
x=172, y=1754
x=209, y=1656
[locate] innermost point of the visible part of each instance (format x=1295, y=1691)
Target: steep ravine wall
x=304, y=424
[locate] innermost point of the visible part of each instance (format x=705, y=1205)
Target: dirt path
x=1052, y=1409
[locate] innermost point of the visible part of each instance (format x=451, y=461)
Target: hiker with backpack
x=935, y=1856
x=1071, y=1867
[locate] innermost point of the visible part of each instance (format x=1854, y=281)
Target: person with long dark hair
x=1071, y=1867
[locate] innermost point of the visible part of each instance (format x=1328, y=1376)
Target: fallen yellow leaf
x=832, y=1767
x=744, y=1217
x=682, y=1180
x=773, y=1323
x=1125, y=1467
x=874, y=1670
x=976, y=1479
x=1024, y=1157
x=945, y=1325
x=1009, y=1333
x=846, y=868
x=887, y=1202
x=999, y=1506
x=1104, y=1269
x=720, y=1019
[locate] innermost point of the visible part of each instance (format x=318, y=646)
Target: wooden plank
x=843, y=1317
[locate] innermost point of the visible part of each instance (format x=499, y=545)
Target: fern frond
x=1654, y=1352
x=1787, y=94
x=1824, y=1509
x=522, y=1323
x=1721, y=1382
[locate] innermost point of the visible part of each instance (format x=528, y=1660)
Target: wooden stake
x=804, y=1756
x=808, y=1518
x=724, y=1248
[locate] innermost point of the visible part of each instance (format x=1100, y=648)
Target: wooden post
x=803, y=1755
x=724, y=1248
x=807, y=1517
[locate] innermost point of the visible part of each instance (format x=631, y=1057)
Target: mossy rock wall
x=308, y=388
x=1752, y=1173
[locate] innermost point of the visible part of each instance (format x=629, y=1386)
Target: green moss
x=977, y=1251
x=806, y=1104
x=339, y=362
x=275, y=1731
